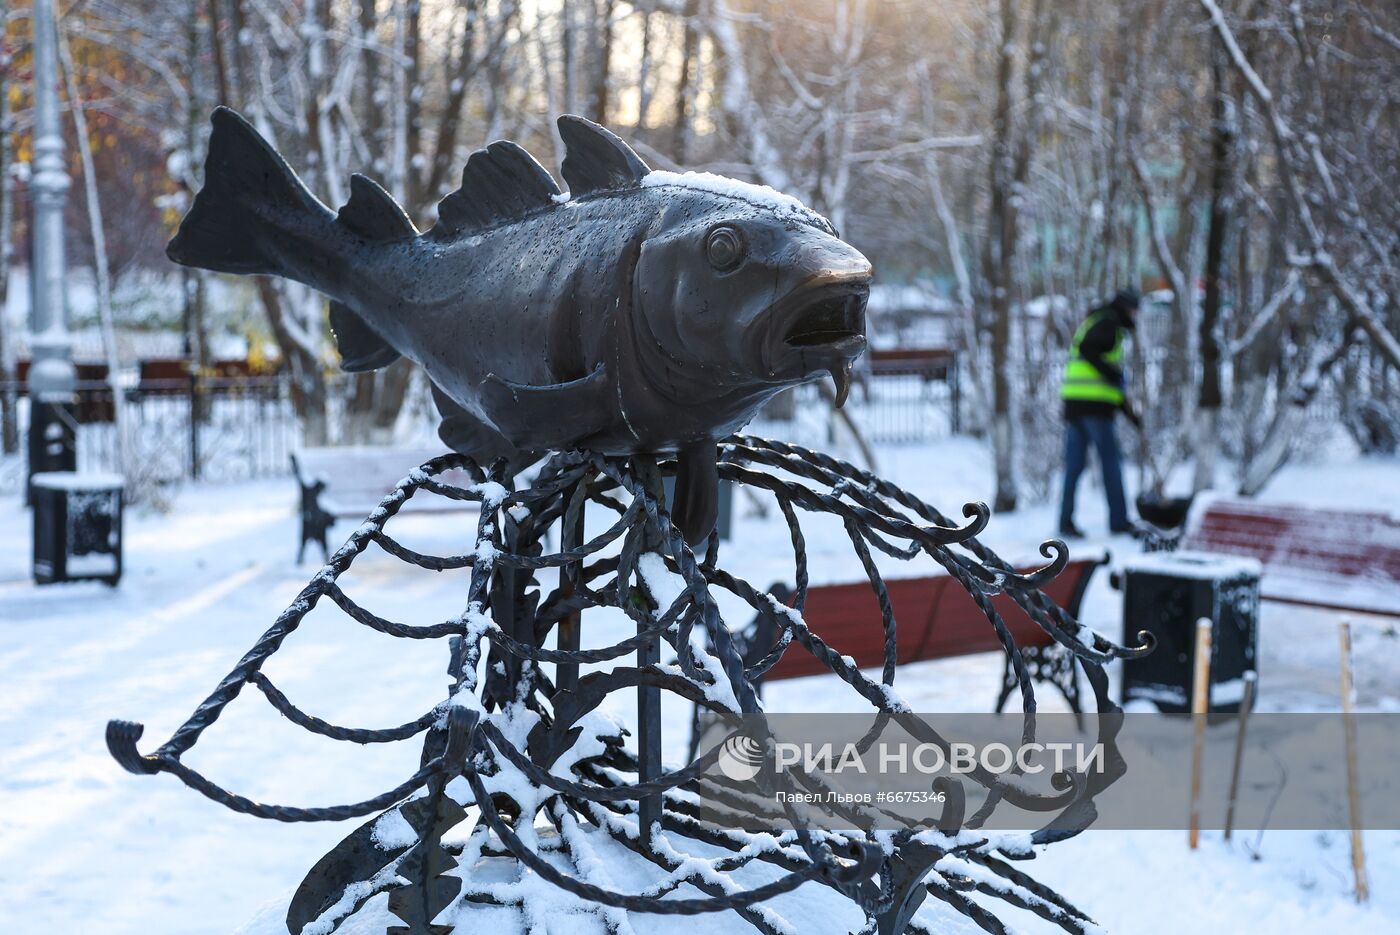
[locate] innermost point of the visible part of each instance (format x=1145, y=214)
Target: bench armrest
x=297, y=471
x=1081, y=587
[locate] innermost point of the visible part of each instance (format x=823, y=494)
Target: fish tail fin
x=252, y=210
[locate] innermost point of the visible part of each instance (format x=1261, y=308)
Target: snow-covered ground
x=86, y=847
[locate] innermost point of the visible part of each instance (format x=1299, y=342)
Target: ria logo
x=740, y=757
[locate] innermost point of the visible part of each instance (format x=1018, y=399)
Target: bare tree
x=99, y=252
x=1222, y=157
x=1029, y=155
x=1350, y=265
x=1011, y=151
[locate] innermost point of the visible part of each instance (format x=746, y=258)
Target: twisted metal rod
x=874, y=513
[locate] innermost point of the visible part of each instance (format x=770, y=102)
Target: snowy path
x=85, y=847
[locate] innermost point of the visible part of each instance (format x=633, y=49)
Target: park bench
x=935, y=619
x=341, y=483
x=1336, y=559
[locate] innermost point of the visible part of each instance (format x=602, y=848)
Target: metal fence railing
x=247, y=426
x=891, y=406
x=225, y=428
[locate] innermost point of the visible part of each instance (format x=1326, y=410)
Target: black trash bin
x=77, y=527
x=1165, y=593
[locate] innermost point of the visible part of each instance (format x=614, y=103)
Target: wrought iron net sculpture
x=507, y=785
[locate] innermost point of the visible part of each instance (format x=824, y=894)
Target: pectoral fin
x=697, y=492
x=463, y=432
x=546, y=416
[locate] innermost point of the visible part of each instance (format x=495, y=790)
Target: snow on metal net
x=522, y=769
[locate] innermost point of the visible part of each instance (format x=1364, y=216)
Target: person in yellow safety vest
x=1093, y=392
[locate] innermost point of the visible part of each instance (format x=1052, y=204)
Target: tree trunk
x=600, y=34
x=644, y=68
x=445, y=149
x=1000, y=252
x=376, y=398
x=308, y=383
x=195, y=338
x=9, y=415
x=967, y=328
x=99, y=263
x=372, y=117
x=690, y=45
x=1206, y=440
x=413, y=105
x=241, y=84
x=1278, y=444
x=568, y=55
x=216, y=43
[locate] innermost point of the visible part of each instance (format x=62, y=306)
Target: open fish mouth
x=822, y=323
x=828, y=317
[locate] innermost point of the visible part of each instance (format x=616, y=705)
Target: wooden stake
x=1200, y=708
x=1246, y=706
x=1358, y=848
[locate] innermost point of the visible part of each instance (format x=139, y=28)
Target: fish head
x=748, y=288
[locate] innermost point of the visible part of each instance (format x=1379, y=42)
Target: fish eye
x=725, y=248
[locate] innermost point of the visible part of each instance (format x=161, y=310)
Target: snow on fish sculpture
x=640, y=312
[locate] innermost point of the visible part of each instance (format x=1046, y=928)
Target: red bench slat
x=1353, y=556
x=934, y=618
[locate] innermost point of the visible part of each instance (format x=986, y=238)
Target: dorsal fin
x=499, y=183
x=373, y=214
x=596, y=159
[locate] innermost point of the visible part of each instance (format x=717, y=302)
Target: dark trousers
x=1080, y=432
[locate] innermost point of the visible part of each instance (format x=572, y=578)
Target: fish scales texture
x=641, y=312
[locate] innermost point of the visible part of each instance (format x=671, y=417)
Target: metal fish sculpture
x=641, y=311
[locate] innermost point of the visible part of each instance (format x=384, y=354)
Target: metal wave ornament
x=528, y=794
x=639, y=312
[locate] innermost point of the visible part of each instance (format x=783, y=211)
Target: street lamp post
x=52, y=377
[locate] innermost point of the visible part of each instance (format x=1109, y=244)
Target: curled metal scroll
x=512, y=611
